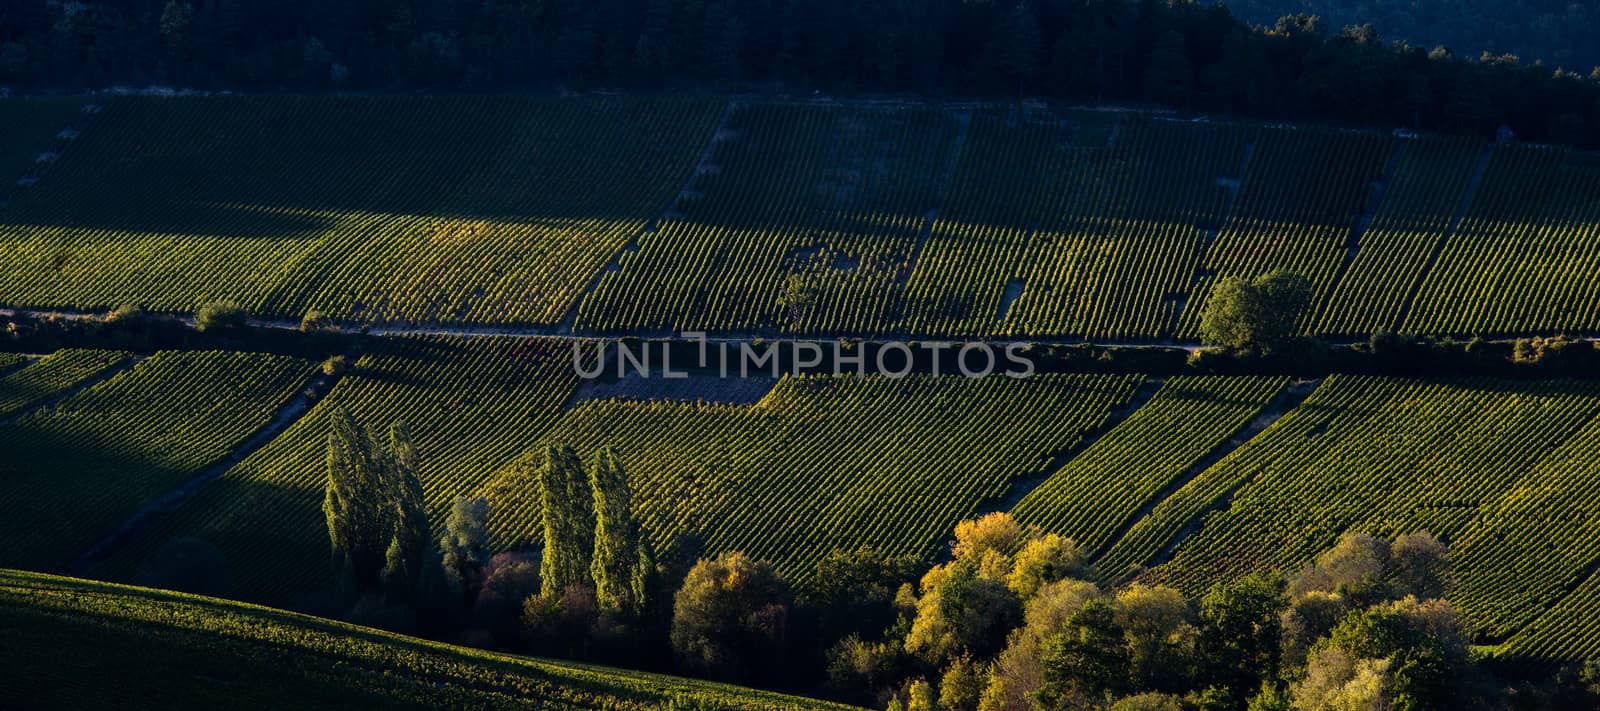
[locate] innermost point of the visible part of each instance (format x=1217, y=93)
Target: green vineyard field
x=75, y=644
x=1103, y=488
x=1208, y=477
x=371, y=209
x=53, y=374
x=89, y=462
x=833, y=197
x=744, y=215
x=825, y=463
x=1497, y=468
x=472, y=407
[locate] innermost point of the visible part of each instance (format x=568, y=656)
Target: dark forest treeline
x=1557, y=32
x=1181, y=54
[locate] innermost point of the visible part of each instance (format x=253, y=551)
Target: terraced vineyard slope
x=834, y=198
x=629, y=215
x=1526, y=257
x=76, y=643
x=1501, y=469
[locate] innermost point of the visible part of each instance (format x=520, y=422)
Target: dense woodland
x=1185, y=55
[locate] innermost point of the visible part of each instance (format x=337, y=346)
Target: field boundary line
x=1467, y=199
x=286, y=415
x=1288, y=398
x=54, y=401
x=963, y=119
x=1358, y=229
x=1022, y=486
x=719, y=133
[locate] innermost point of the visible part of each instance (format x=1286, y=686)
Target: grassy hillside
x=79, y=644
x=747, y=215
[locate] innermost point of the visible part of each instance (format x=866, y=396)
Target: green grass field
x=80, y=644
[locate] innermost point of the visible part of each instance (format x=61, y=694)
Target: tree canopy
x=1177, y=53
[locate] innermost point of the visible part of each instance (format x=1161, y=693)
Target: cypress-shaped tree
x=354, y=504
x=616, y=537
x=409, y=538
x=568, y=521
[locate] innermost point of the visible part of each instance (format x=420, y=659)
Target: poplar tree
x=409, y=540
x=354, y=505
x=617, y=554
x=377, y=526
x=568, y=521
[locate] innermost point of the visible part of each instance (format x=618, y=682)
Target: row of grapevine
x=1416, y=210
x=380, y=209
x=1467, y=460
x=1295, y=209
x=1568, y=629
x=170, y=650
x=28, y=129
x=471, y=405
x=1527, y=257
x=1525, y=549
x=1045, y=234
x=1103, y=488
x=77, y=471
x=824, y=463
x=53, y=374
x=832, y=197
x=836, y=220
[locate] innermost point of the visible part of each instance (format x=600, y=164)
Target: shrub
x=220, y=315
x=316, y=321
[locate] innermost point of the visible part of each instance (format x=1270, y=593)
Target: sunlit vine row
x=1463, y=459
x=1417, y=207
x=832, y=198
x=471, y=406
x=53, y=374
x=78, y=470
x=382, y=209
x=1527, y=257
x=1104, y=487
x=1294, y=210
x=822, y=464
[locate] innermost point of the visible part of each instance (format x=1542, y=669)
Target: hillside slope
x=68, y=643
x=625, y=215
